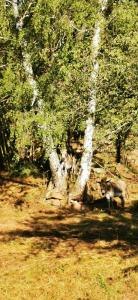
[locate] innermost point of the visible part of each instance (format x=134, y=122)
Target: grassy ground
x=51, y=254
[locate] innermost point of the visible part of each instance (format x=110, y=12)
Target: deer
x=110, y=190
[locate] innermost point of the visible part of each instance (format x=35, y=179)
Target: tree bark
x=26, y=56
x=59, y=171
x=60, y=167
x=85, y=168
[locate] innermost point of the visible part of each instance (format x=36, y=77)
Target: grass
x=24, y=169
x=51, y=254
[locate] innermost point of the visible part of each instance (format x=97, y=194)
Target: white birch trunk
x=58, y=169
x=86, y=159
x=15, y=9
x=26, y=56
x=59, y=173
x=29, y=71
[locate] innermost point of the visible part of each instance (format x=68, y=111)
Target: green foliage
x=58, y=37
x=24, y=169
x=117, y=92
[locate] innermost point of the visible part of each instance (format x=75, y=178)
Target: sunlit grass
x=82, y=276
x=48, y=254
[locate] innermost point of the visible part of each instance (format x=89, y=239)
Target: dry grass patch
x=51, y=254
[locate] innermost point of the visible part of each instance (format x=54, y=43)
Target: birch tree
x=60, y=167
x=86, y=159
x=19, y=23
x=58, y=47
x=78, y=188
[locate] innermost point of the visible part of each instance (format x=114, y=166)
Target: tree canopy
x=56, y=36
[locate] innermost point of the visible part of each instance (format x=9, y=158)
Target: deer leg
x=109, y=201
x=122, y=201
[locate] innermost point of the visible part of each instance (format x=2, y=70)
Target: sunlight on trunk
x=86, y=159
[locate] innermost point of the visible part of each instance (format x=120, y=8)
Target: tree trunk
x=26, y=56
x=120, y=143
x=60, y=168
x=118, y=147
x=77, y=192
x=57, y=189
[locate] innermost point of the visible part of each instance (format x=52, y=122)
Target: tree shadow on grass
x=101, y=204
x=22, y=181
x=61, y=231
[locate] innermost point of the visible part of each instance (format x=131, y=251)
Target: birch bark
x=86, y=159
x=26, y=56
x=59, y=170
